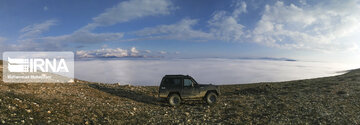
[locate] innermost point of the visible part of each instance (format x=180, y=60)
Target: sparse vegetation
x=330, y=100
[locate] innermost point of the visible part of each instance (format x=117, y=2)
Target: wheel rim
x=176, y=100
x=212, y=98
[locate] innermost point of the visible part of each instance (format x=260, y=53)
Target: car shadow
x=141, y=97
x=194, y=103
x=129, y=94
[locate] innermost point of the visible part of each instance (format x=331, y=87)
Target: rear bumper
x=162, y=95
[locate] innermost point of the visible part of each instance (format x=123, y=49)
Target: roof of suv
x=175, y=75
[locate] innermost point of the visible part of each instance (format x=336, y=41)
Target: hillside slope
x=323, y=100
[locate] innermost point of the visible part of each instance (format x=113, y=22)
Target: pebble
x=12, y=107
x=37, y=105
x=48, y=112
x=28, y=110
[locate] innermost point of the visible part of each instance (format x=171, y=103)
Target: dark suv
x=176, y=88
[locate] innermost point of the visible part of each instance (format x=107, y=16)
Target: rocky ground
x=331, y=100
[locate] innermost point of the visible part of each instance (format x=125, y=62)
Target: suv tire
x=211, y=98
x=174, y=100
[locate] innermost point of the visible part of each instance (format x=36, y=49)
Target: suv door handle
x=163, y=88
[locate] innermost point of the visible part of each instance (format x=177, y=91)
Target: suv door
x=189, y=88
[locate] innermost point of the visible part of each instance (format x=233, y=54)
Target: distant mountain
x=252, y=58
x=267, y=58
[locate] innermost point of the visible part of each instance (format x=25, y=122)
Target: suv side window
x=188, y=83
x=177, y=82
x=172, y=82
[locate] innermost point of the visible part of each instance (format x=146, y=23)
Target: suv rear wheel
x=211, y=98
x=174, y=100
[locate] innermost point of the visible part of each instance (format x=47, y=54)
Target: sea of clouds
x=213, y=70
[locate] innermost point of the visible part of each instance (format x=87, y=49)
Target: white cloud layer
x=162, y=52
x=181, y=30
x=223, y=26
x=329, y=26
x=130, y=10
x=240, y=7
x=109, y=53
x=86, y=37
x=36, y=29
x=30, y=38
x=134, y=51
x=216, y=71
x=324, y=26
x=60, y=42
x=226, y=27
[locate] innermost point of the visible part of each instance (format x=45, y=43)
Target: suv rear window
x=171, y=82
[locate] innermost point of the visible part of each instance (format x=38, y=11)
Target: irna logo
x=37, y=65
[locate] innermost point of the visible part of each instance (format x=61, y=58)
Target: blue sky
x=298, y=29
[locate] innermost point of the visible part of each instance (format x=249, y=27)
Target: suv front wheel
x=211, y=98
x=174, y=100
